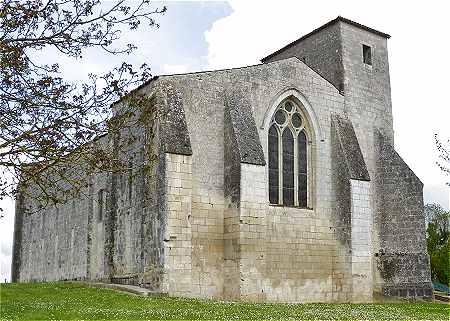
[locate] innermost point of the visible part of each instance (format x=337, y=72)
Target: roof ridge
x=329, y=23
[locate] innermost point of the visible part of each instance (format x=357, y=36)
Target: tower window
x=367, y=55
x=101, y=204
x=289, y=176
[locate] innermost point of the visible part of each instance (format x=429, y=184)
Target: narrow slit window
x=273, y=165
x=288, y=168
x=130, y=181
x=100, y=205
x=302, y=170
x=367, y=55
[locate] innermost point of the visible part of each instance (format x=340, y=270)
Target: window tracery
x=288, y=156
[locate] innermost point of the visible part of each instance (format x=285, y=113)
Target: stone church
x=272, y=182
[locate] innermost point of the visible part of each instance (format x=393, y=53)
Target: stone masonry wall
x=342, y=278
x=217, y=252
x=112, y=231
x=321, y=51
x=366, y=88
x=352, y=200
x=252, y=234
x=232, y=199
x=54, y=243
x=130, y=198
x=204, y=118
x=178, y=233
x=97, y=239
x=368, y=104
x=361, y=240
x=403, y=261
x=286, y=253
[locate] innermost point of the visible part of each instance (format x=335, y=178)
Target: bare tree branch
x=47, y=122
x=444, y=156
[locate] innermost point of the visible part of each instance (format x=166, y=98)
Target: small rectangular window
x=130, y=181
x=100, y=205
x=367, y=55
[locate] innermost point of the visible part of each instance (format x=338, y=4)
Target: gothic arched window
x=288, y=156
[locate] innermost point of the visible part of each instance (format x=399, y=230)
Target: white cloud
x=249, y=33
x=174, y=69
x=418, y=53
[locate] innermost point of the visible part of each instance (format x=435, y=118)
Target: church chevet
x=276, y=182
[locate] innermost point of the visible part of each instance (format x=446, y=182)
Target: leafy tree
x=43, y=117
x=438, y=242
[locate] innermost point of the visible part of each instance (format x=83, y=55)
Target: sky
x=195, y=36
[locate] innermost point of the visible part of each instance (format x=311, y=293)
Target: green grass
x=77, y=301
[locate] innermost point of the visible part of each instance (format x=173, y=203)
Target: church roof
x=332, y=22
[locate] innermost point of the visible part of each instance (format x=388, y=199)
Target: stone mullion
x=296, y=203
x=309, y=172
x=280, y=167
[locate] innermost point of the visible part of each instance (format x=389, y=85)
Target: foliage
x=43, y=117
x=438, y=242
x=75, y=301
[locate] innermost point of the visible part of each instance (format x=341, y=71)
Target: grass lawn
x=76, y=301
